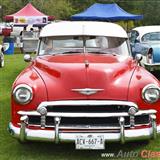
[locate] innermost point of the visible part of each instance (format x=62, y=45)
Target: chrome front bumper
x=24, y=133
x=152, y=66
x=60, y=134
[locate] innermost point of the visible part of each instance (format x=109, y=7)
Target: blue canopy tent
x=105, y=12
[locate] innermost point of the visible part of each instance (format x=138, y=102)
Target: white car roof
x=71, y=28
x=146, y=29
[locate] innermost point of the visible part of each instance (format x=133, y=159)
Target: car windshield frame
x=83, y=44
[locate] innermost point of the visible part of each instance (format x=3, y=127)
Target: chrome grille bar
x=86, y=102
x=60, y=114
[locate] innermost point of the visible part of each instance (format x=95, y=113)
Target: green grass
x=11, y=149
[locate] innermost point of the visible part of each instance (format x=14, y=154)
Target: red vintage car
x=83, y=86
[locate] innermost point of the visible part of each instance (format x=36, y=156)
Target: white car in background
x=145, y=40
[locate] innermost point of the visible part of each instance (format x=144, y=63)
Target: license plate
x=90, y=141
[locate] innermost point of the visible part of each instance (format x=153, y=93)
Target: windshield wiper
x=101, y=52
x=68, y=52
x=98, y=52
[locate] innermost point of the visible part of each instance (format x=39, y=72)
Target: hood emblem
x=87, y=91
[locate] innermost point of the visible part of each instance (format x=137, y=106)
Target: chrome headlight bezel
x=148, y=88
x=22, y=88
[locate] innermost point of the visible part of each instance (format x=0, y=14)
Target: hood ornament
x=86, y=63
x=87, y=91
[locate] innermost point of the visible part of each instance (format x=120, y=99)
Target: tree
x=151, y=12
x=61, y=9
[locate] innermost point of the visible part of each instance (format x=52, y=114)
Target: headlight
x=151, y=93
x=22, y=94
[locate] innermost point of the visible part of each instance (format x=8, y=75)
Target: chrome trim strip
x=153, y=64
x=60, y=114
x=152, y=67
x=85, y=102
x=86, y=127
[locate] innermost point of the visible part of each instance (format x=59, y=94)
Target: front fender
x=29, y=77
x=139, y=80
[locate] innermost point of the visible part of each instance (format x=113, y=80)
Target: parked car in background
x=83, y=86
x=145, y=40
x=1, y=57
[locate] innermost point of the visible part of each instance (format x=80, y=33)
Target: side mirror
x=2, y=49
x=27, y=58
x=138, y=58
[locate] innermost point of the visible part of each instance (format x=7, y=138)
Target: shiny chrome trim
x=80, y=127
x=87, y=91
x=43, y=112
x=27, y=58
x=86, y=103
x=122, y=134
x=132, y=121
x=43, y=121
x=86, y=127
x=149, y=86
x=131, y=109
x=24, y=122
x=57, y=122
x=22, y=86
x=49, y=135
x=153, y=64
x=154, y=126
x=138, y=58
x=60, y=114
x=152, y=67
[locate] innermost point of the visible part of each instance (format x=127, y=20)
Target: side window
x=133, y=37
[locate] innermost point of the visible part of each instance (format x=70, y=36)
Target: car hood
x=66, y=75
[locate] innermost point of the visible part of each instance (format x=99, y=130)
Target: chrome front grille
x=87, y=114
x=98, y=120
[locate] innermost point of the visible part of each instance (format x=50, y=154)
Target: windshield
x=80, y=44
x=153, y=36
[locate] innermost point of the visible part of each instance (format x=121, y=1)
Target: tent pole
x=127, y=26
